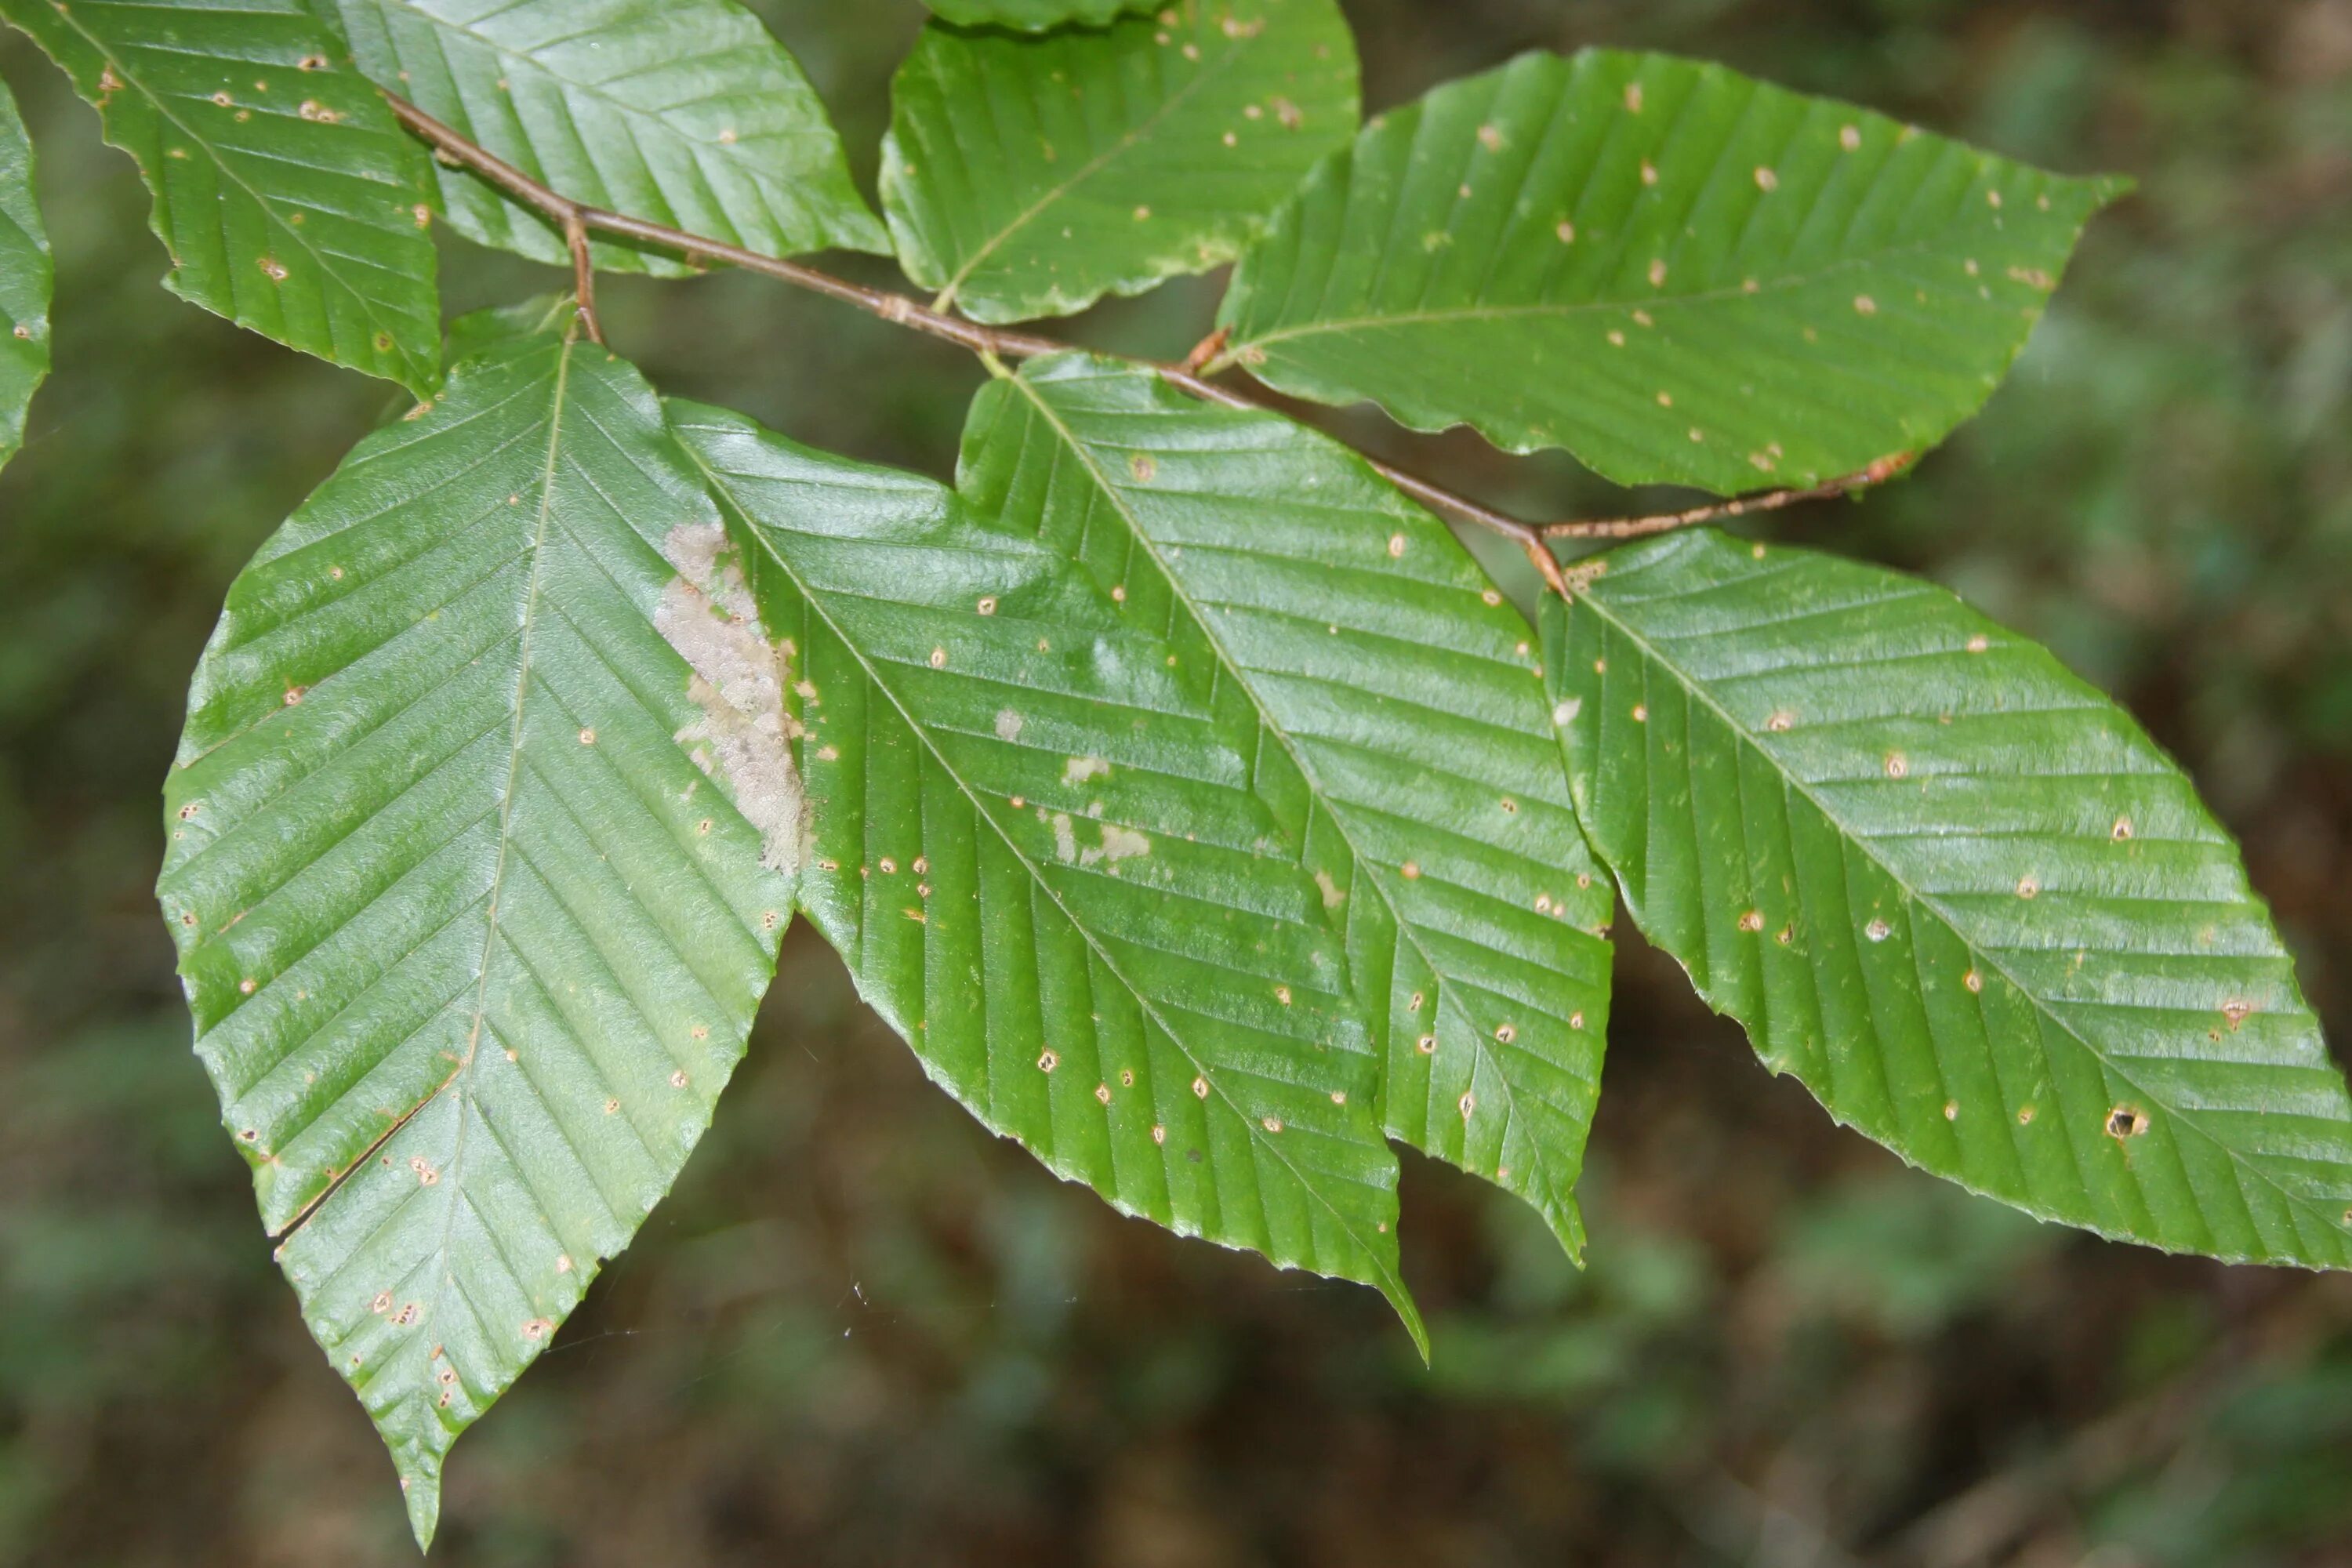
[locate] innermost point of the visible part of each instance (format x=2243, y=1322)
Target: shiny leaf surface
x=1956, y=891
x=472, y=942
x=25, y=281
x=1394, y=709
x=1678, y=274
x=1030, y=175
x=1046, y=861
x=686, y=112
x=288, y=198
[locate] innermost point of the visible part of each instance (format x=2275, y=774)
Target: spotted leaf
x=1680, y=275
x=288, y=198
x=1030, y=175
x=472, y=941
x=25, y=278
x=1956, y=891
x=1051, y=866
x=687, y=113
x=1393, y=708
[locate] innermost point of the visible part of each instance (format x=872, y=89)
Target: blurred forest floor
x=862, y=1332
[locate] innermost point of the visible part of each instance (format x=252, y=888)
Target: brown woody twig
x=1878, y=473
x=577, y=220
x=583, y=275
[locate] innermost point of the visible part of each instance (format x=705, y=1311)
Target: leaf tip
x=420, y=1490
x=1566, y=1224
x=1408, y=1313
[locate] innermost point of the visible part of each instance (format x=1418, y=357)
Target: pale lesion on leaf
x=744, y=736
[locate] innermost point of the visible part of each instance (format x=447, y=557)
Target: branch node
x=1207, y=349
x=584, y=273
x=1546, y=565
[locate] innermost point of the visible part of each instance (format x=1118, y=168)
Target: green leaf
x=1680, y=275
x=1032, y=16
x=1954, y=891
x=685, y=112
x=1030, y=176
x=25, y=278
x=290, y=199
x=471, y=942
x=1039, y=848
x=1394, y=710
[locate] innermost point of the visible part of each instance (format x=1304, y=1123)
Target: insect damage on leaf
x=743, y=738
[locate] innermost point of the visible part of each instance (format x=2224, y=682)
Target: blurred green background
x=862, y=1331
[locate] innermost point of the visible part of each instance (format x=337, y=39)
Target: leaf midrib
x=490, y=929
x=815, y=599
x=1785, y=282
x=1240, y=674
x=1990, y=957
x=463, y=1069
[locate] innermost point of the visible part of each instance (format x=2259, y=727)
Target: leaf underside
x=471, y=942
x=685, y=112
x=25, y=281
x=1039, y=850
x=1393, y=709
x=1676, y=273
x=1956, y=891
x=1029, y=176
x=1032, y=16
x=288, y=198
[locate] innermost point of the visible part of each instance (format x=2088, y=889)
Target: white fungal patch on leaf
x=742, y=739
x=1117, y=843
